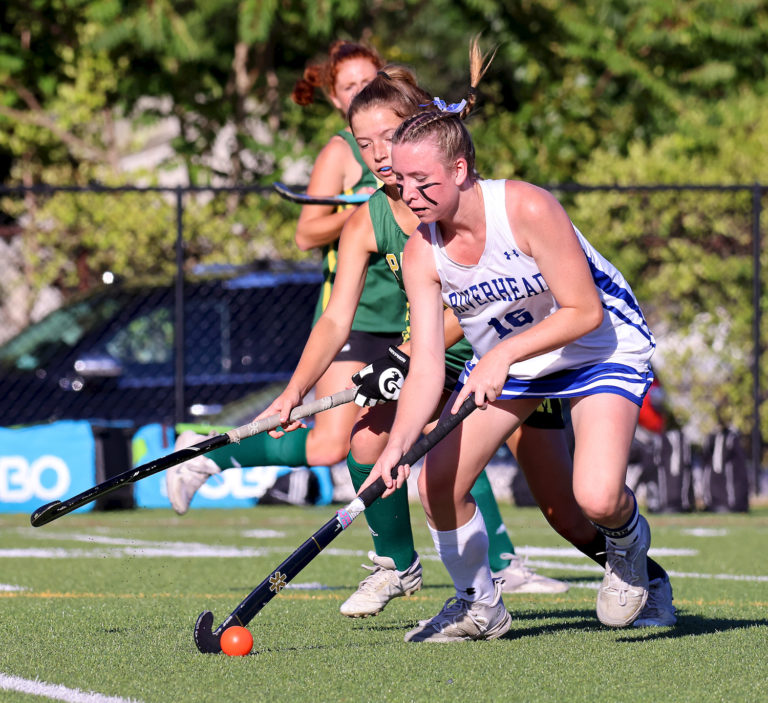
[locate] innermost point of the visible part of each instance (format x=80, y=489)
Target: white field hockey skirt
x=618, y=379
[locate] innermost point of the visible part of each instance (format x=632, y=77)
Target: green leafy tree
x=688, y=254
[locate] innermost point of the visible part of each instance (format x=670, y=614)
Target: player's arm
x=332, y=329
x=319, y=225
x=423, y=386
x=545, y=232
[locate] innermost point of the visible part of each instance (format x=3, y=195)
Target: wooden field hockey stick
x=51, y=511
x=208, y=641
x=304, y=199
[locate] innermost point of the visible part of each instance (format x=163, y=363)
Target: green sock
x=263, y=450
x=389, y=519
x=498, y=538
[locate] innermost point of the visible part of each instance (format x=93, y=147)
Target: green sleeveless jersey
x=390, y=240
x=382, y=308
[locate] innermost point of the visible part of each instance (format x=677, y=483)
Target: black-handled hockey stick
x=304, y=199
x=51, y=511
x=208, y=641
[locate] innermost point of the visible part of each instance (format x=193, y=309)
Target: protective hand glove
x=381, y=380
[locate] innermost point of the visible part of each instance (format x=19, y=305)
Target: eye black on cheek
x=422, y=190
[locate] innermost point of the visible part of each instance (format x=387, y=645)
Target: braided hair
x=446, y=127
x=323, y=75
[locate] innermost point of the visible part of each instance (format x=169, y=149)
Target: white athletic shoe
x=383, y=584
x=184, y=480
x=520, y=578
x=624, y=590
x=461, y=620
x=658, y=610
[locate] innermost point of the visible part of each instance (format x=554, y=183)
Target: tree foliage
x=595, y=91
x=689, y=253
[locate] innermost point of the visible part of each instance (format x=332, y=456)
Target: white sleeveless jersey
x=505, y=294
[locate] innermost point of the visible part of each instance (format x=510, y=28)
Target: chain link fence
x=148, y=304
x=136, y=304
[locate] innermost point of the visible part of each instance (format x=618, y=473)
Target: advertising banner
x=44, y=463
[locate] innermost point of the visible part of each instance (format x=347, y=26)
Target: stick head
x=207, y=641
x=45, y=514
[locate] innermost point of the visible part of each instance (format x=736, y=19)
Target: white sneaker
x=658, y=610
x=461, y=620
x=183, y=481
x=520, y=578
x=383, y=584
x=624, y=590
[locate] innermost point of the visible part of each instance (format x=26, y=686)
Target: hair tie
x=383, y=73
x=454, y=108
x=472, y=90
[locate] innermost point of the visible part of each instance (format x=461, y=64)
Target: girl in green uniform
x=380, y=315
x=339, y=168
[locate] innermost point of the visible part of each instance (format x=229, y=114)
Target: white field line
x=192, y=546
x=263, y=534
x=129, y=548
x=122, y=547
x=143, y=548
x=209, y=551
x=705, y=531
x=526, y=551
x=57, y=692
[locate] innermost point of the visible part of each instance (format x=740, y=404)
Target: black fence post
x=757, y=444
x=179, y=331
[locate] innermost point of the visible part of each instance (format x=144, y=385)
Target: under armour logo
x=509, y=256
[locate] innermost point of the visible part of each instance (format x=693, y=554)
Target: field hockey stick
x=51, y=511
x=304, y=199
x=208, y=641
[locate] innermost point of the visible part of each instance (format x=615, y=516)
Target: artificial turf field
x=105, y=604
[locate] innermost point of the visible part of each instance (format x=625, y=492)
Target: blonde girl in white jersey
x=546, y=316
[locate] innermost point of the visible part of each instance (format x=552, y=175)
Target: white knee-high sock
x=464, y=552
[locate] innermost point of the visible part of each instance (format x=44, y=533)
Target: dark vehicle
x=110, y=356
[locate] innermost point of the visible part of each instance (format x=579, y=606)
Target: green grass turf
x=121, y=623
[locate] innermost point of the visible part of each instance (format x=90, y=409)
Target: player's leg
x=501, y=551
x=328, y=441
x=325, y=443
x=458, y=530
x=396, y=569
x=543, y=454
x=604, y=425
x=540, y=448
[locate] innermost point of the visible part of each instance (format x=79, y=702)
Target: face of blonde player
x=427, y=185
x=353, y=75
x=373, y=129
